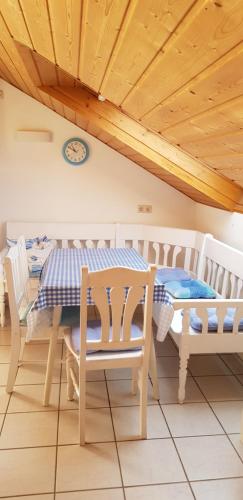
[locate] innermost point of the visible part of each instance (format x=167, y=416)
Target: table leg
x=51, y=354
x=2, y=300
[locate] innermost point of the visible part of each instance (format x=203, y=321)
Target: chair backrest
x=116, y=292
x=222, y=268
x=16, y=283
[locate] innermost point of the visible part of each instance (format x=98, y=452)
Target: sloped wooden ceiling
x=171, y=72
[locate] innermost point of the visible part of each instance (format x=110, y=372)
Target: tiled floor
x=193, y=450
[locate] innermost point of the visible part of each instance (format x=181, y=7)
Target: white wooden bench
x=163, y=246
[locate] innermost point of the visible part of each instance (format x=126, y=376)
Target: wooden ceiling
x=171, y=72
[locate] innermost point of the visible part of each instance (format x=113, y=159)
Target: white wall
x=36, y=184
x=225, y=226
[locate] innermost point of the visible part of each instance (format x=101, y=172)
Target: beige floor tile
x=221, y=489
x=5, y=337
x=96, y=396
x=29, y=429
x=87, y=467
x=235, y=440
x=234, y=363
x=118, y=374
x=4, y=373
x=30, y=397
x=4, y=399
x=229, y=414
x=149, y=462
x=121, y=395
x=166, y=348
x=168, y=388
x=98, y=426
x=112, y=494
x=92, y=375
x=168, y=366
x=35, y=374
x=27, y=471
x=192, y=419
x=4, y=354
x=209, y=457
x=180, y=491
x=31, y=497
x=40, y=351
x=207, y=364
x=126, y=423
x=222, y=388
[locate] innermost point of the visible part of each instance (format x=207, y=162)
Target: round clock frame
x=85, y=149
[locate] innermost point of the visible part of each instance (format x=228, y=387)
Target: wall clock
x=75, y=151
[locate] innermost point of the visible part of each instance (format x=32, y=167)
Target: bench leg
x=184, y=357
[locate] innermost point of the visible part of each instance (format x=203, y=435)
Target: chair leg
x=153, y=371
x=69, y=365
x=14, y=362
x=143, y=403
x=184, y=357
x=82, y=407
x=134, y=380
x=51, y=354
x=50, y=364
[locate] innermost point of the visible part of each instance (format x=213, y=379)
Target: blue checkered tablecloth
x=60, y=281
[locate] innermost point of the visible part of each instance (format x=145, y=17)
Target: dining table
x=60, y=288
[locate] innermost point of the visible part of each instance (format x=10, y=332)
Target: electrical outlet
x=144, y=209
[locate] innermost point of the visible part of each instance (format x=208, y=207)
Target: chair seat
x=94, y=334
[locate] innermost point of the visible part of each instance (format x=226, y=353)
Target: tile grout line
x=113, y=427
x=180, y=459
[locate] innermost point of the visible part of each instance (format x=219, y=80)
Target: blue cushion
x=94, y=333
x=167, y=274
x=190, y=289
x=196, y=322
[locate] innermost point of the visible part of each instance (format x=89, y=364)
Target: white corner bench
x=163, y=246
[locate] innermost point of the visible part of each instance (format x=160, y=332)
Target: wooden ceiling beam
x=112, y=121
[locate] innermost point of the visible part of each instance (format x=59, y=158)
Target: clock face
x=75, y=151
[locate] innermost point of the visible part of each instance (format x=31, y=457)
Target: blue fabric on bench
x=167, y=274
x=190, y=289
x=196, y=322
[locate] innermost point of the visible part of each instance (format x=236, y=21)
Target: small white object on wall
x=33, y=136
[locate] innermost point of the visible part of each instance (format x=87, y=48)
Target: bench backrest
x=222, y=268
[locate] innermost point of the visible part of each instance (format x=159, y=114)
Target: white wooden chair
x=19, y=305
x=116, y=342
x=191, y=341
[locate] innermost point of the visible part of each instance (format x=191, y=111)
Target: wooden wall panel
x=221, y=82
x=36, y=16
x=65, y=17
x=147, y=26
x=209, y=31
x=101, y=21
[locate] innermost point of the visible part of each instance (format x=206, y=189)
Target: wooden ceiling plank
x=47, y=71
x=222, y=119
x=37, y=20
x=136, y=130
x=7, y=61
x=233, y=173
x=101, y=22
x=57, y=106
x=6, y=74
x=65, y=16
x=224, y=197
x=82, y=121
x=188, y=52
x=147, y=26
x=69, y=114
x=15, y=21
x=215, y=146
x=221, y=82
